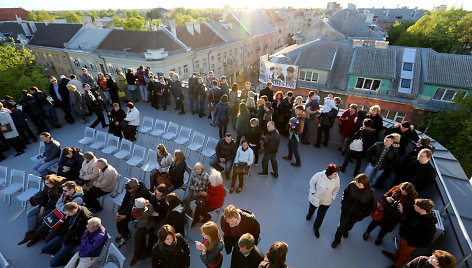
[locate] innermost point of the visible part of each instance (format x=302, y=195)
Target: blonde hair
x=231, y=212
x=200, y=166
x=298, y=98
x=215, y=178
x=72, y=88
x=375, y=108
x=250, y=103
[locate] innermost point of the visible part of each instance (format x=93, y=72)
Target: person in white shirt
x=324, y=187
x=243, y=160
x=132, y=117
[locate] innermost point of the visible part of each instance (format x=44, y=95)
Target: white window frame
x=401, y=82
x=185, y=68
x=197, y=64
x=204, y=63
x=448, y=89
x=77, y=64
x=403, y=68
x=304, y=77
x=363, y=83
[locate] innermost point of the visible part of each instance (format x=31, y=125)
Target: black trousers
x=371, y=227
x=25, y=132
x=323, y=129
x=305, y=137
x=130, y=132
x=68, y=113
x=100, y=119
x=17, y=144
x=357, y=155
x=122, y=226
x=38, y=121
x=91, y=197
x=202, y=210
x=222, y=130
x=319, y=216
x=345, y=225
x=273, y=160
x=255, y=149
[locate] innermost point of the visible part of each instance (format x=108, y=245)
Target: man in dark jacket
x=200, y=93
x=95, y=105
x=267, y=91
x=214, y=96
x=236, y=222
x=91, y=244
x=46, y=106
x=407, y=133
x=192, y=83
x=21, y=123
x=418, y=171
x=70, y=163
x=286, y=110
x=60, y=95
x=225, y=152
x=382, y=158
x=416, y=231
x=178, y=93
x=68, y=237
x=271, y=147
x=358, y=201
x=50, y=156
x=134, y=189
x=248, y=255
x=32, y=108
x=296, y=127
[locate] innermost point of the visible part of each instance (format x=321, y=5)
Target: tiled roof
x=231, y=33
x=205, y=39
x=11, y=29
x=318, y=54
x=7, y=14
x=272, y=15
x=351, y=24
x=255, y=22
x=374, y=62
x=54, y=34
x=342, y=61
x=140, y=41
x=88, y=38
x=447, y=69
x=393, y=14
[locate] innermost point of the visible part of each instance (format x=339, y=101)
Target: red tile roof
x=272, y=15
x=7, y=14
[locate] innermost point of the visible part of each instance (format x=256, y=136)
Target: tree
x=394, y=32
x=452, y=128
x=103, y=14
x=135, y=24
x=182, y=19
x=80, y=13
x=72, y=17
x=32, y=16
x=18, y=71
x=153, y=14
x=117, y=22
x=45, y=15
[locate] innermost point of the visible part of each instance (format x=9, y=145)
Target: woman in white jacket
x=132, y=116
x=243, y=160
x=324, y=186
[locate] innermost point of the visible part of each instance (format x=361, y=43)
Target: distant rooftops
x=10, y=14
x=393, y=14
x=54, y=34
x=197, y=35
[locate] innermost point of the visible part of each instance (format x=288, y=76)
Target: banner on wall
x=281, y=75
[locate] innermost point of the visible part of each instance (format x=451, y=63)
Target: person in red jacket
x=211, y=199
x=346, y=126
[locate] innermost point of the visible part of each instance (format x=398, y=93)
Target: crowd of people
x=72, y=192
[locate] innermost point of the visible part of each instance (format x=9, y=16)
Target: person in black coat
x=21, y=123
x=153, y=90
x=374, y=114
x=134, y=189
x=407, y=133
x=248, y=255
x=271, y=147
x=286, y=110
x=225, y=152
x=70, y=163
x=178, y=94
x=253, y=136
x=172, y=249
x=175, y=213
x=417, y=230
x=115, y=116
x=46, y=106
x=112, y=88
x=69, y=235
x=267, y=91
x=177, y=170
x=382, y=158
x=32, y=108
x=95, y=105
x=200, y=92
x=358, y=201
x=418, y=170
x=222, y=114
x=60, y=95
x=159, y=205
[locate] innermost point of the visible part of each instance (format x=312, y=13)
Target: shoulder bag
x=54, y=220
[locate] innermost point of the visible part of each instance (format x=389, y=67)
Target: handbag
x=6, y=128
x=378, y=213
x=54, y=219
x=241, y=168
x=315, y=201
x=356, y=145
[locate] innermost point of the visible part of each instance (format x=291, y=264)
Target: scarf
x=168, y=249
x=138, y=212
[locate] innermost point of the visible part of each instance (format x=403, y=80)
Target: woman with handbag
x=8, y=129
x=164, y=160
x=324, y=187
x=387, y=215
x=198, y=182
x=214, y=198
x=115, y=116
x=243, y=160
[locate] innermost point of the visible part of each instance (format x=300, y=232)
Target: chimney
x=173, y=31
x=197, y=27
x=190, y=28
x=32, y=25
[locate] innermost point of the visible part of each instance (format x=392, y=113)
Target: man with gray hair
x=105, y=184
x=91, y=245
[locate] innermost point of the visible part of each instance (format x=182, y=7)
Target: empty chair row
x=18, y=182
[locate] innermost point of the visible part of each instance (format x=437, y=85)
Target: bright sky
x=129, y=4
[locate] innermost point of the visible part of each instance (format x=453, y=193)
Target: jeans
x=62, y=253
x=228, y=165
x=34, y=219
x=323, y=129
x=164, y=101
x=213, y=118
x=42, y=169
x=107, y=96
x=144, y=93
x=319, y=216
x=201, y=104
x=83, y=262
x=194, y=100
x=273, y=160
x=293, y=149
x=345, y=225
x=51, y=115
x=373, y=173
x=357, y=156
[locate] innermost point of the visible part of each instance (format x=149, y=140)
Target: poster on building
x=281, y=75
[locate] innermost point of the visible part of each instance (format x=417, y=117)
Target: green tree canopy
x=153, y=14
x=18, y=71
x=72, y=17
x=181, y=19
x=135, y=24
x=117, y=22
x=396, y=30
x=32, y=16
x=44, y=15
x=80, y=13
x=452, y=128
x=103, y=13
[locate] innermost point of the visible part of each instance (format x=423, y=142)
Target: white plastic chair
x=150, y=163
x=146, y=126
x=209, y=149
x=138, y=157
x=88, y=138
x=124, y=152
x=113, y=143
x=3, y=176
x=117, y=200
x=196, y=144
x=171, y=132
x=117, y=254
x=15, y=184
x=42, y=147
x=30, y=190
x=184, y=136
x=3, y=261
x=159, y=128
x=100, y=141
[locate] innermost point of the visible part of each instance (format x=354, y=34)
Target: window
x=219, y=71
x=172, y=70
x=197, y=64
x=236, y=51
x=406, y=83
x=65, y=60
x=77, y=64
x=407, y=66
x=204, y=63
x=224, y=55
x=180, y=70
x=213, y=67
x=366, y=83
x=212, y=58
x=219, y=57
x=444, y=94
